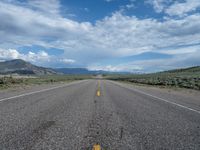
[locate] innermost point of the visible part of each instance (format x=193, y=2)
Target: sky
x=111, y=35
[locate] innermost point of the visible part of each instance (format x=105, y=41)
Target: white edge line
x=167, y=101
x=26, y=94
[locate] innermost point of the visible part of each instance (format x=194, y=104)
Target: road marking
x=162, y=99
x=167, y=101
x=98, y=93
x=98, y=89
x=26, y=94
x=96, y=147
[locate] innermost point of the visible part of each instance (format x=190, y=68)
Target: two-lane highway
x=114, y=115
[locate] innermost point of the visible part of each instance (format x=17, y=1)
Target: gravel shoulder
x=22, y=89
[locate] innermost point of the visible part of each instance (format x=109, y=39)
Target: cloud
x=115, y=35
x=24, y=26
x=181, y=50
x=67, y=61
x=34, y=57
x=125, y=35
x=9, y=54
x=183, y=8
x=175, y=8
x=181, y=57
x=86, y=9
x=38, y=58
x=41, y=23
x=178, y=61
x=116, y=68
x=30, y=56
x=129, y=6
x=109, y=0
x=46, y=6
x=158, y=5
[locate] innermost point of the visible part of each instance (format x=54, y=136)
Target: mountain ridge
x=20, y=66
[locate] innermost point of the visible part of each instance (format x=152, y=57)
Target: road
x=120, y=117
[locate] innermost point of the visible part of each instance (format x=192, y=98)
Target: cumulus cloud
x=183, y=8
x=118, y=35
x=125, y=35
x=159, y=5
x=116, y=68
x=28, y=26
x=39, y=58
x=51, y=7
x=9, y=54
x=30, y=56
x=181, y=57
x=175, y=7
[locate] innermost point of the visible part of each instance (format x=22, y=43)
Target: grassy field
x=182, y=78
x=12, y=81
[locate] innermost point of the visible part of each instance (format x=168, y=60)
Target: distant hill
x=22, y=67
x=85, y=71
x=74, y=71
x=184, y=78
x=195, y=69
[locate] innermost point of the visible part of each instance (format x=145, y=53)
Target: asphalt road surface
x=114, y=115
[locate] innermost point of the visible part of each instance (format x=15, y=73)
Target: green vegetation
x=183, y=78
x=10, y=81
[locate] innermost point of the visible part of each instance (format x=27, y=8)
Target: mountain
x=84, y=71
x=74, y=71
x=22, y=67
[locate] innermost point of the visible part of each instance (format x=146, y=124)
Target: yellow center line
x=98, y=90
x=98, y=93
x=96, y=147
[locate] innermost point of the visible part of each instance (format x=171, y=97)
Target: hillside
x=22, y=67
x=195, y=69
x=73, y=70
x=184, y=78
x=84, y=71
